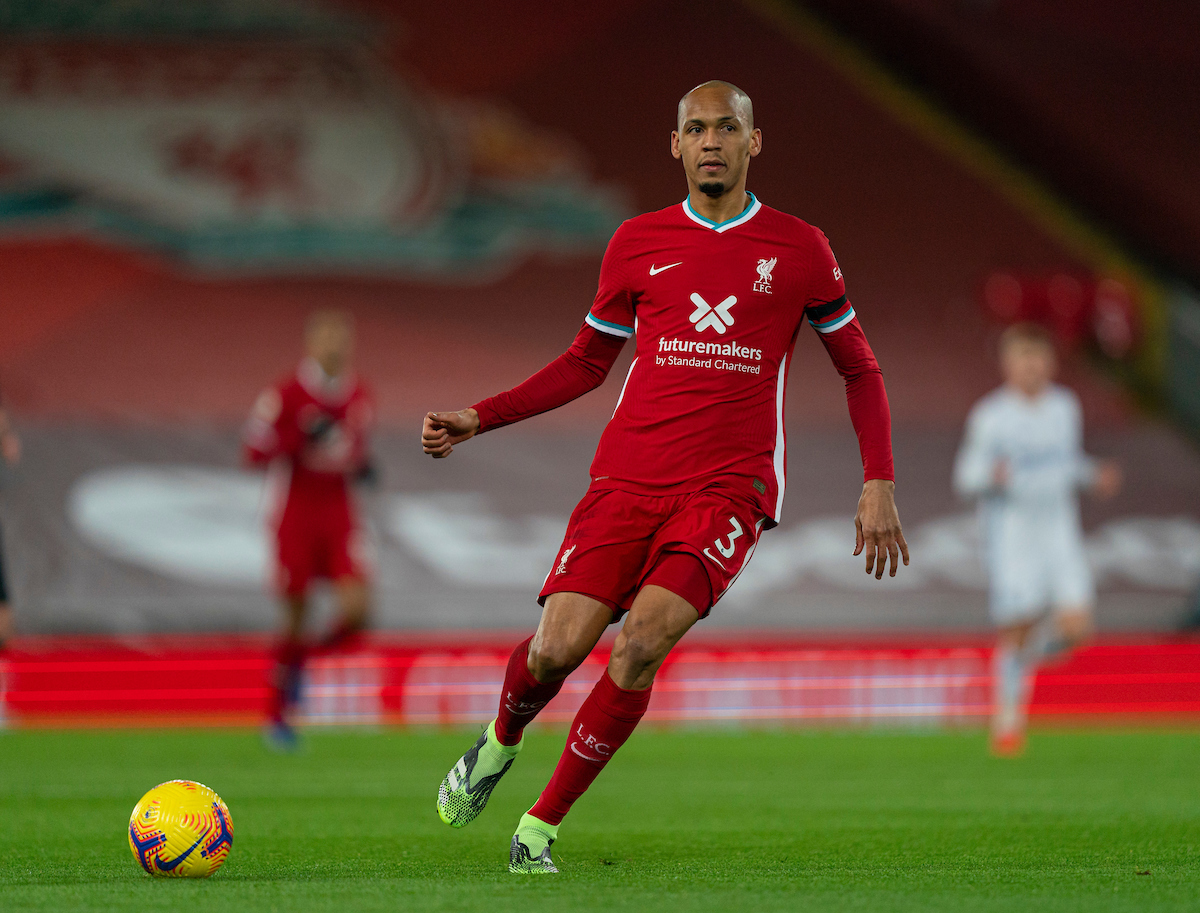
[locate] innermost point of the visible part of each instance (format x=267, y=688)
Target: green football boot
x=465, y=791
x=530, y=851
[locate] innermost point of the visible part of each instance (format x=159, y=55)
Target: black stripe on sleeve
x=819, y=312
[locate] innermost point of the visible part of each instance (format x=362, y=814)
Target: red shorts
x=693, y=544
x=319, y=545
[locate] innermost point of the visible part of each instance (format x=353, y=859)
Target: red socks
x=523, y=696
x=606, y=719
x=290, y=652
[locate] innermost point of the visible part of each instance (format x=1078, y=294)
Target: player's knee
x=640, y=649
x=553, y=660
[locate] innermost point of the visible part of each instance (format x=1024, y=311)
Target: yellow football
x=181, y=829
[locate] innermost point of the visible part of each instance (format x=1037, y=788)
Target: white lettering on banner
x=1157, y=553
x=205, y=526
x=464, y=539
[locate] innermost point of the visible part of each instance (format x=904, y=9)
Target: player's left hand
x=878, y=525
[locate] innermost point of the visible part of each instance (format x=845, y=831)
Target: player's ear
x=675, y=144
x=755, y=141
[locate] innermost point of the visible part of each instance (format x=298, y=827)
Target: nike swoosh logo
x=174, y=863
x=587, y=757
x=655, y=270
x=709, y=556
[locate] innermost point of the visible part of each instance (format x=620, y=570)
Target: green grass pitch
x=682, y=821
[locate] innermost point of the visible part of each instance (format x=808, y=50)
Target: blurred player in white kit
x=1022, y=457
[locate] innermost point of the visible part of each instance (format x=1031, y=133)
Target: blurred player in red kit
x=314, y=425
x=691, y=467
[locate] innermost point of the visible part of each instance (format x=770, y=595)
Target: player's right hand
x=442, y=430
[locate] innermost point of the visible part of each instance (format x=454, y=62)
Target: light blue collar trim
x=747, y=214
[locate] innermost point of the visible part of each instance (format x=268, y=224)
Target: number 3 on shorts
x=735, y=533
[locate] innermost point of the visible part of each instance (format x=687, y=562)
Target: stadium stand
x=1091, y=94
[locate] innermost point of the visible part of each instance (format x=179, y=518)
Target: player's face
x=715, y=142
x=1028, y=365
x=331, y=343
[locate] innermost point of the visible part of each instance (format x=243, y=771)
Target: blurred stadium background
x=180, y=184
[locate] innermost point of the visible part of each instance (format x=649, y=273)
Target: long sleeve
x=866, y=397
x=975, y=465
x=1084, y=468
x=579, y=370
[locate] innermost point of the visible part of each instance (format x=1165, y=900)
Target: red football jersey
x=319, y=427
x=715, y=309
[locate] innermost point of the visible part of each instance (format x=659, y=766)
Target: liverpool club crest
x=764, y=275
